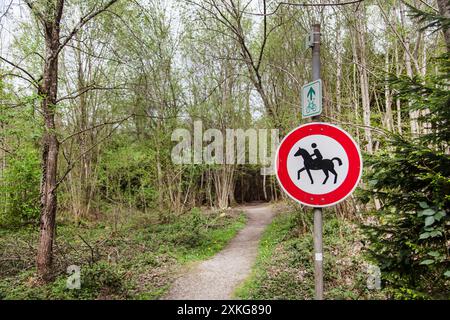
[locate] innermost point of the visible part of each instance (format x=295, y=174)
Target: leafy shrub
x=192, y=228
x=97, y=281
x=188, y=230
x=412, y=181
x=285, y=267
x=101, y=277
x=127, y=174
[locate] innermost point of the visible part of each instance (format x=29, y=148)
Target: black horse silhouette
x=317, y=164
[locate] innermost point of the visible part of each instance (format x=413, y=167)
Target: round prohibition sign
x=318, y=164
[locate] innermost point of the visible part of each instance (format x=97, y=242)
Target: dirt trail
x=218, y=277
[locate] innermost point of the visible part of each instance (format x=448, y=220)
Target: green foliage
x=19, y=184
x=285, y=268
x=411, y=178
x=137, y=262
x=21, y=188
x=431, y=96
x=159, y=79
x=194, y=235
x=431, y=19
x=101, y=277
x=127, y=174
x=188, y=230
x=97, y=280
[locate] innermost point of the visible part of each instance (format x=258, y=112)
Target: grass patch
x=134, y=261
x=216, y=240
x=285, y=270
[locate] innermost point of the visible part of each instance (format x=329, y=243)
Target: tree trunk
x=338, y=70
x=364, y=79
x=388, y=97
x=355, y=96
x=4, y=201
x=48, y=91
x=444, y=10
x=50, y=150
x=426, y=126
x=84, y=191
x=397, y=100
x=338, y=84
x=223, y=185
x=413, y=114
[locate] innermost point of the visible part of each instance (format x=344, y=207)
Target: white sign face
x=318, y=164
x=324, y=151
x=312, y=99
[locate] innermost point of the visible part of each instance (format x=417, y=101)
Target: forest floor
x=218, y=277
x=284, y=267
x=261, y=251
x=122, y=255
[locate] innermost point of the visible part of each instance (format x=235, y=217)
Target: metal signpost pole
x=318, y=247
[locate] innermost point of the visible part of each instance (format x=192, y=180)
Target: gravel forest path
x=218, y=277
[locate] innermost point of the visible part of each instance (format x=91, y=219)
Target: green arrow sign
x=311, y=93
x=312, y=99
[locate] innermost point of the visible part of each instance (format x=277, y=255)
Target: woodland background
x=91, y=91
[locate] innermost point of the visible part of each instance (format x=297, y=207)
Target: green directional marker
x=312, y=99
x=311, y=93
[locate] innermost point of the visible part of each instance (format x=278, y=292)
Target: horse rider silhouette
x=316, y=153
x=315, y=161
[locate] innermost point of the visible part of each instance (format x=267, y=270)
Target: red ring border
x=335, y=196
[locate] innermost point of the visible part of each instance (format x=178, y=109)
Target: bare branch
x=72, y=165
x=95, y=127
x=37, y=13
x=302, y=5
x=20, y=68
x=399, y=36
x=6, y=11
x=6, y=150
x=18, y=76
x=59, y=11
x=84, y=90
x=85, y=19
x=379, y=130
x=261, y=52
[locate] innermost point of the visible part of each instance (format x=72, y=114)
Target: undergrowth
x=285, y=268
x=136, y=260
